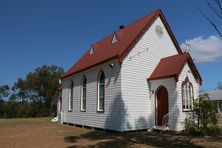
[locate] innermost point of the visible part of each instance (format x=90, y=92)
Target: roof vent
x=91, y=50
x=121, y=26
x=115, y=37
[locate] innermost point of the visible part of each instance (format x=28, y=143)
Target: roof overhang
x=172, y=66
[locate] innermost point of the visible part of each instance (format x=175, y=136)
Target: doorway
x=161, y=104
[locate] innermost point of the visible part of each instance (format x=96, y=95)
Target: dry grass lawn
x=41, y=133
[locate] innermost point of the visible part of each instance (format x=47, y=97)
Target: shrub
x=194, y=131
x=215, y=130
x=204, y=119
x=205, y=111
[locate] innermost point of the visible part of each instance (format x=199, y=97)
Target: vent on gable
x=91, y=50
x=159, y=31
x=115, y=37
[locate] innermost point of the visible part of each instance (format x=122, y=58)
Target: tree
x=219, y=85
x=2, y=107
x=11, y=107
x=4, y=91
x=203, y=119
x=39, y=89
x=205, y=112
x=215, y=7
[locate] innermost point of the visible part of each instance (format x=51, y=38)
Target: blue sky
x=58, y=32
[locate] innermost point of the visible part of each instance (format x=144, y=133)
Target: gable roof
x=172, y=66
x=104, y=50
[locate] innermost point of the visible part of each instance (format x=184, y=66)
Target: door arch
x=161, y=104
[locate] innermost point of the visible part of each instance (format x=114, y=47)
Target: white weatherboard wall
x=170, y=85
x=110, y=119
x=186, y=73
x=137, y=105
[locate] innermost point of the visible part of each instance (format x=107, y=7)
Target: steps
x=56, y=119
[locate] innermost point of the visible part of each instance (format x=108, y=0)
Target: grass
x=23, y=121
x=40, y=132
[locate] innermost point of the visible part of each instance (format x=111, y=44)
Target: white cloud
x=204, y=50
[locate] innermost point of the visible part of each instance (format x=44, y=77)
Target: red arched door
x=161, y=104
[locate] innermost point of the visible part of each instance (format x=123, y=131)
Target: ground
x=40, y=132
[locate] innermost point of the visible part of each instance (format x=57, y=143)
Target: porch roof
x=172, y=66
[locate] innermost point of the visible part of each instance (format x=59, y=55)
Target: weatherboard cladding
x=110, y=118
x=179, y=115
x=170, y=85
x=138, y=104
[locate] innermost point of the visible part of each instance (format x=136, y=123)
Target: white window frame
x=71, y=96
x=98, y=92
x=83, y=88
x=187, y=95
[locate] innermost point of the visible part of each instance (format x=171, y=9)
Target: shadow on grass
x=71, y=139
x=131, y=139
x=111, y=144
x=100, y=135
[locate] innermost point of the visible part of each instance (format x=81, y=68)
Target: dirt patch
x=40, y=132
x=30, y=133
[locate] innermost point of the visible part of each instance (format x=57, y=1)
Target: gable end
x=160, y=14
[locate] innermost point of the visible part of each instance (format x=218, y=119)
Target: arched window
x=187, y=95
x=70, y=102
x=101, y=91
x=83, y=94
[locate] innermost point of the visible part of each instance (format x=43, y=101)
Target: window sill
x=83, y=110
x=69, y=110
x=100, y=111
x=187, y=110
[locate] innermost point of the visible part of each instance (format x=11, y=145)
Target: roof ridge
x=168, y=57
x=117, y=31
x=141, y=18
x=151, y=20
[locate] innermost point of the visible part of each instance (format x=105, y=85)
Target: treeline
x=34, y=96
x=22, y=109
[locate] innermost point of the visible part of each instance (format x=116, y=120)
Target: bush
x=205, y=111
x=194, y=131
x=204, y=119
x=215, y=130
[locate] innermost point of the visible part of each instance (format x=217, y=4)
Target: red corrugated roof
x=104, y=50
x=172, y=66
